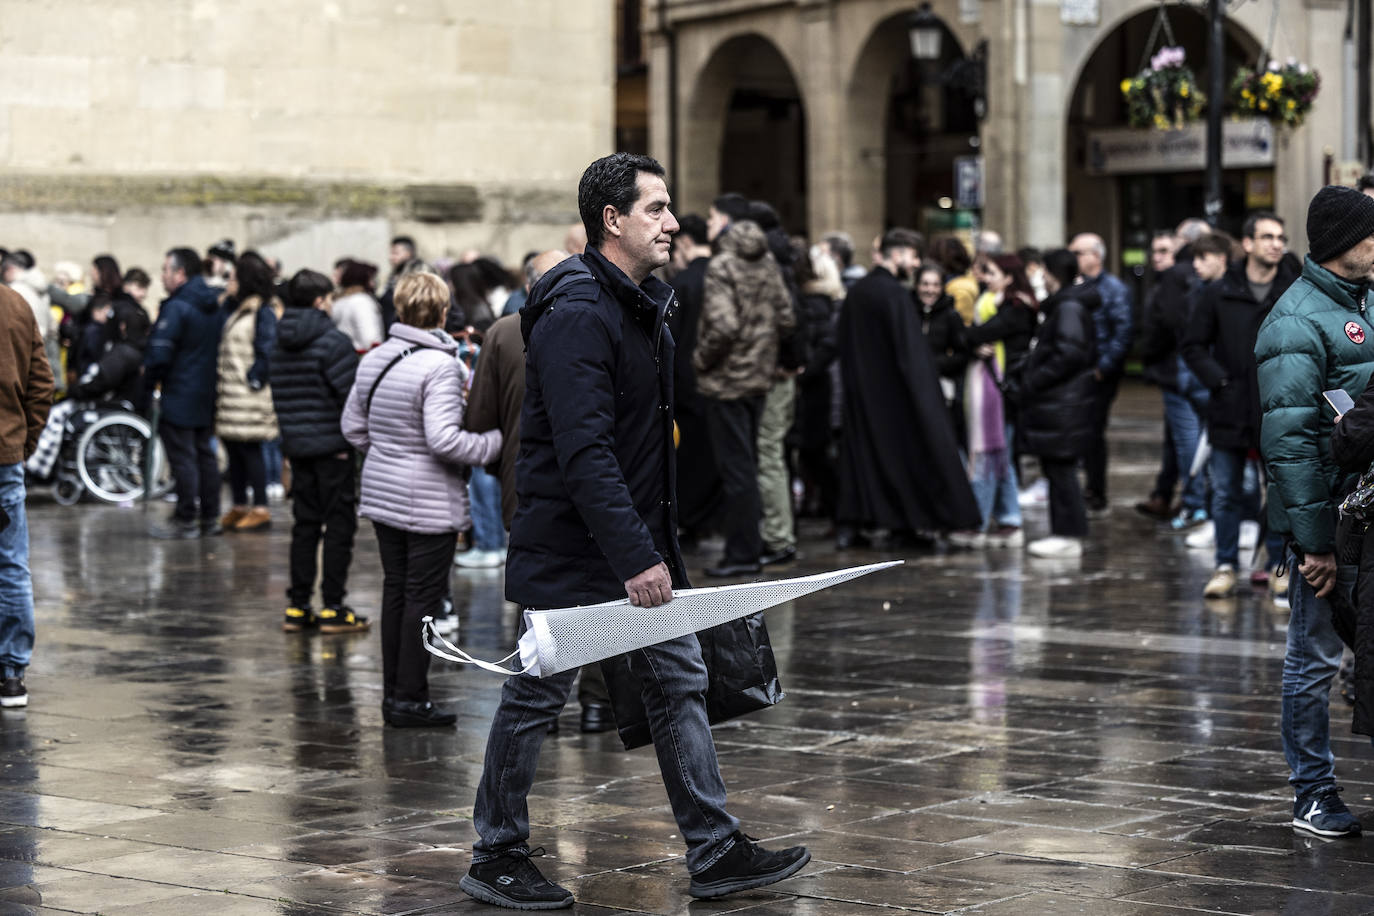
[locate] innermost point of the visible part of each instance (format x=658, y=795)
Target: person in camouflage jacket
x=746, y=309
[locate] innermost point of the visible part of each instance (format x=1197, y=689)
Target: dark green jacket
x=1317, y=337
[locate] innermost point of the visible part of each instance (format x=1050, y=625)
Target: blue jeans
x=1312, y=660
x=673, y=679
x=484, y=500
x=272, y=460
x=1185, y=428
x=16, y=585
x=993, y=480
x=1228, y=495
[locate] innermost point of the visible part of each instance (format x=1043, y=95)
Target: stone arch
x=872, y=74
x=1131, y=210
x=746, y=94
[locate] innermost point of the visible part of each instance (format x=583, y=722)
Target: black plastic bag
x=739, y=664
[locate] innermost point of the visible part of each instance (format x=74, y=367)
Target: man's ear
x=610, y=220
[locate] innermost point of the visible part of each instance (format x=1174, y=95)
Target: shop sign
x=968, y=182
x=1245, y=144
x=1080, y=12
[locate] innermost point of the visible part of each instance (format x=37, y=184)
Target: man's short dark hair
x=306, y=287
x=186, y=259
x=694, y=228
x=1247, y=231
x=1030, y=255
x=840, y=247
x=1365, y=182
x=611, y=181
x=900, y=237
x=1216, y=243
x=21, y=257
x=1062, y=264
x=735, y=206
x=762, y=212
x=137, y=276
x=405, y=242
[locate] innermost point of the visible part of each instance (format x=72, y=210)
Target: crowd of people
x=657, y=382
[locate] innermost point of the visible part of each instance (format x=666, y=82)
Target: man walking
x=1220, y=350
x=1317, y=337
x=26, y=387
x=1113, y=320
x=182, y=356
x=745, y=312
x=595, y=520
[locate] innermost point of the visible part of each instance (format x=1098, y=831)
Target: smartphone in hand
x=1339, y=401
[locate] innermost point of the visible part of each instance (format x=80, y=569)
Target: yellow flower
x=1292, y=104
x=1161, y=122
x=1264, y=105
x=1125, y=87
x=1183, y=90
x=1246, y=94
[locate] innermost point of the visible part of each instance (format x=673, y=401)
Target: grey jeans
x=673, y=680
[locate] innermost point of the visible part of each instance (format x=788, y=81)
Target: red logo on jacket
x=1354, y=332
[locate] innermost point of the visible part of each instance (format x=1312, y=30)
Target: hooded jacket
x=417, y=452
x=244, y=411
x=1056, y=388
x=312, y=369
x=596, y=470
x=1317, y=337
x=1219, y=348
x=745, y=311
x=115, y=375
x=183, y=354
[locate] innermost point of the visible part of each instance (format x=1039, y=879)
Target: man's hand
x=650, y=588
x=1319, y=569
x=1097, y=375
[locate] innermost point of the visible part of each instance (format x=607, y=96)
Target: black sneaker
x=512, y=881
x=746, y=866
x=175, y=530
x=298, y=619
x=1322, y=812
x=412, y=714
x=13, y=693
x=341, y=619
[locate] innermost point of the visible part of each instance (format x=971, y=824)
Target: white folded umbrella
x=1201, y=455
x=565, y=638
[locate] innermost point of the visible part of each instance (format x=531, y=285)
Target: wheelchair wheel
x=110, y=457
x=66, y=490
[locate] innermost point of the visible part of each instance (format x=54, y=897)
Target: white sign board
x=1142, y=151
x=1080, y=12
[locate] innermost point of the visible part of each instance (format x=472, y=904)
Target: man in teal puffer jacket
x=1319, y=336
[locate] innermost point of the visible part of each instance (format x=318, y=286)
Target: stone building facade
x=309, y=129
x=873, y=136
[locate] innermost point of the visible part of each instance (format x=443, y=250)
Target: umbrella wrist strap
x=449, y=652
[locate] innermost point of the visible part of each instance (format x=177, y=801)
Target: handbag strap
x=372, y=392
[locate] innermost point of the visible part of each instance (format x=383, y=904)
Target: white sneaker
x=1037, y=494
x=971, y=540
x=1249, y=534
x=1222, y=584
x=1007, y=537
x=1056, y=548
x=480, y=559
x=1203, y=537
x=276, y=492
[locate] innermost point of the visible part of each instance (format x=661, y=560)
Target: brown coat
x=26, y=382
x=498, y=392
x=745, y=311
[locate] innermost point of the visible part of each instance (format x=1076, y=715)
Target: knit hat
x=1338, y=219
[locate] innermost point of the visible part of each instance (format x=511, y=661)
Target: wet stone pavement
x=973, y=733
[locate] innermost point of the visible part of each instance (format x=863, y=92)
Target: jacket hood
x=434, y=339
x=198, y=294
x=745, y=239
x=589, y=274
x=298, y=328
x=1086, y=294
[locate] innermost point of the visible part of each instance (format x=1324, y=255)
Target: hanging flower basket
x=1165, y=95
x=1283, y=93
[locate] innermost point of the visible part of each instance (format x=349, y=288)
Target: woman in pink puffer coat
x=405, y=414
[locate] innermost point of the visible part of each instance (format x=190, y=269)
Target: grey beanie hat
x=1338, y=219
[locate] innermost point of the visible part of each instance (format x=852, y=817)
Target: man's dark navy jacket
x=596, y=472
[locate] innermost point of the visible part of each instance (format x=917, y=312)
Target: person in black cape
x=899, y=459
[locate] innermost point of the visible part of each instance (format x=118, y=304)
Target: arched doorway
x=745, y=130
x=1125, y=203
x=909, y=122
